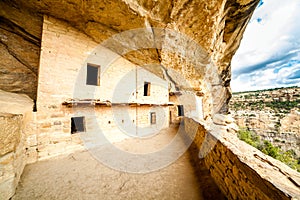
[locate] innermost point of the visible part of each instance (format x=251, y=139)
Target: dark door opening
x=34, y=106
x=152, y=117
x=180, y=110
x=77, y=125
x=146, y=89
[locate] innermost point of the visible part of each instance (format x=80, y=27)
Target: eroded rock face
x=217, y=26
x=20, y=35
x=272, y=114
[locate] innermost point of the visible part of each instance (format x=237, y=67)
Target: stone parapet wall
x=15, y=124
x=240, y=170
x=11, y=155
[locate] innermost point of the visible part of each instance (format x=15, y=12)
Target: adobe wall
x=62, y=74
x=62, y=77
x=240, y=170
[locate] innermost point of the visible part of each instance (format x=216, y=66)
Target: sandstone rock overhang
x=217, y=26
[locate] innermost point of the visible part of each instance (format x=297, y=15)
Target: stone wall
x=15, y=126
x=240, y=170
x=102, y=125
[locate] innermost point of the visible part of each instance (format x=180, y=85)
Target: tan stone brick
x=57, y=115
x=45, y=125
x=45, y=130
x=67, y=130
x=42, y=116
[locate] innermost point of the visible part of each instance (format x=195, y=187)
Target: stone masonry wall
x=102, y=125
x=62, y=77
x=15, y=125
x=62, y=74
x=240, y=170
x=11, y=159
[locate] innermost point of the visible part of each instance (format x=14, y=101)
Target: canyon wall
x=272, y=114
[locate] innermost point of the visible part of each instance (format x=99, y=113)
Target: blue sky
x=269, y=54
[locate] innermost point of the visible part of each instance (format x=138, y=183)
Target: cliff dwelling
x=126, y=100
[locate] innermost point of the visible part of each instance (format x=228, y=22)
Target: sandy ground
x=81, y=176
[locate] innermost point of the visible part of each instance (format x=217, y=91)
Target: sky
x=269, y=53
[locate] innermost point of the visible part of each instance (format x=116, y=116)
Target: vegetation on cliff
x=265, y=90
x=278, y=106
x=280, y=100
x=287, y=157
x=274, y=115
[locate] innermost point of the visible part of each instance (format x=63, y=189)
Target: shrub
x=249, y=137
x=270, y=150
x=287, y=157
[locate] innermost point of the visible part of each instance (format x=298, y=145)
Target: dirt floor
x=81, y=176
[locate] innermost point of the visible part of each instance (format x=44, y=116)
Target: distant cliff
x=273, y=114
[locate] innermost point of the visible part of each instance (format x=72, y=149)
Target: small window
x=180, y=110
x=77, y=124
x=147, y=89
x=93, y=75
x=153, y=118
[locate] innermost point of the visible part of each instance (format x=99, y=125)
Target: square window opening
x=93, y=74
x=77, y=124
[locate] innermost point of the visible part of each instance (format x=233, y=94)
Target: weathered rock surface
x=20, y=37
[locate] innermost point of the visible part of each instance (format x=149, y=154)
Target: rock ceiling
x=216, y=25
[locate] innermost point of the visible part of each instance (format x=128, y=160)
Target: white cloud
x=268, y=45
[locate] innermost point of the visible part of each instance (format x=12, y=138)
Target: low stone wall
x=240, y=170
x=112, y=123
x=15, y=118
